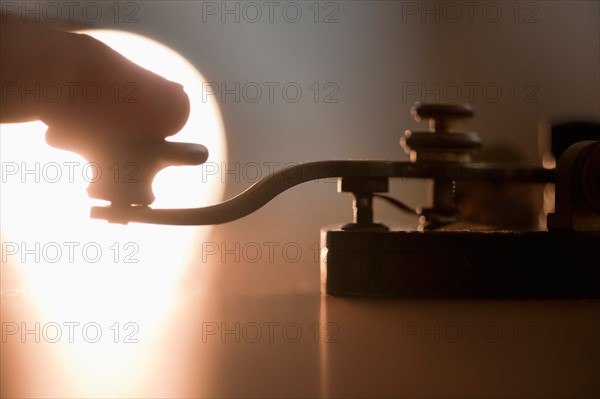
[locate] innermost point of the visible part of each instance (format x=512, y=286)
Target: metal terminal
x=578, y=189
x=363, y=189
x=440, y=144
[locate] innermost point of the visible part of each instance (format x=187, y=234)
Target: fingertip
x=130, y=103
x=175, y=107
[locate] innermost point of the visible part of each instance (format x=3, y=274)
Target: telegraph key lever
x=437, y=260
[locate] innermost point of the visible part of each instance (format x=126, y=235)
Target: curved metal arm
x=269, y=187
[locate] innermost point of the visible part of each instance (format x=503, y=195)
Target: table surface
x=304, y=345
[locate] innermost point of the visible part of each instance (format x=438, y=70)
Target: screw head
x=441, y=111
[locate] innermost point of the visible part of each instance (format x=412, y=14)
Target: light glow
x=135, y=278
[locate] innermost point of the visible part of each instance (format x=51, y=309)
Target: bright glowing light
x=104, y=273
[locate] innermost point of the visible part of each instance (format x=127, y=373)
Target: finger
x=101, y=94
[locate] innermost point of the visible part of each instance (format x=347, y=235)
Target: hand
x=35, y=57
x=93, y=114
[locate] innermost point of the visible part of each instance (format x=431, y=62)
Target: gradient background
x=546, y=65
